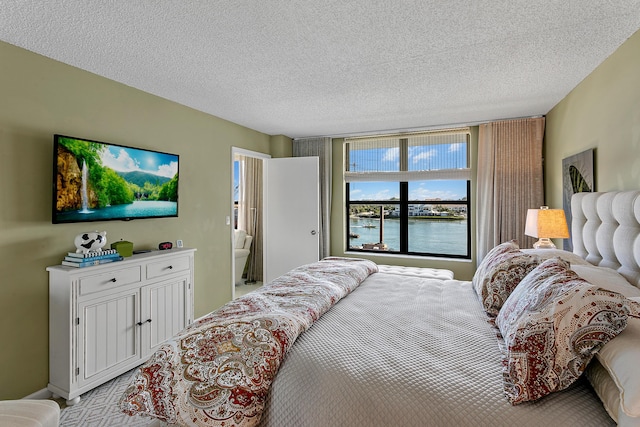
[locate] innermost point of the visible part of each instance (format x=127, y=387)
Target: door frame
x=248, y=153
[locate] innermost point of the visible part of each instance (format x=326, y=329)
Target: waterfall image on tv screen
x=97, y=181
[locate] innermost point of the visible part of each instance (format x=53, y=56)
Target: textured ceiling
x=323, y=67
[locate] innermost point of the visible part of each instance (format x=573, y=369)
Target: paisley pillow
x=552, y=325
x=548, y=253
x=500, y=272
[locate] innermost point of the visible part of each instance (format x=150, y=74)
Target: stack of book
x=88, y=259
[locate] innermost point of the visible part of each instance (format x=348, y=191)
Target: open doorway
x=247, y=225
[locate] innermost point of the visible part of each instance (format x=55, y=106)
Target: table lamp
x=546, y=224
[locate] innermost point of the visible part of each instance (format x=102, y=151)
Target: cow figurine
x=90, y=241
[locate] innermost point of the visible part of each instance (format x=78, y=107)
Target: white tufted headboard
x=605, y=230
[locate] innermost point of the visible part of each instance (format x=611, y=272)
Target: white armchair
x=29, y=413
x=242, y=244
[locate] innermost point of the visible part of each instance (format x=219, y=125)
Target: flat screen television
x=99, y=181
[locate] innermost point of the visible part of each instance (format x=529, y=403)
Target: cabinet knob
x=142, y=323
x=114, y=280
x=170, y=267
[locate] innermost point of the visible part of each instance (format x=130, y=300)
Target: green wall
x=602, y=112
x=40, y=97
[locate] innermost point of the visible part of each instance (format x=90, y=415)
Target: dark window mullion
x=404, y=217
x=468, y=219
x=348, y=207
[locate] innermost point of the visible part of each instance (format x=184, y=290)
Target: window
x=409, y=194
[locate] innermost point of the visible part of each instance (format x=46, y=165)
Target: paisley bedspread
x=218, y=371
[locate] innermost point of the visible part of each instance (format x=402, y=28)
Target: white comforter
x=410, y=351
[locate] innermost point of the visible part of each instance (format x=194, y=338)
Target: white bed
x=403, y=347
x=414, y=352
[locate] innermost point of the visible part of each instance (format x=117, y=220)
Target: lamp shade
x=545, y=223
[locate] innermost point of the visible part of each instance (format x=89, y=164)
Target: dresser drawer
x=109, y=280
x=167, y=266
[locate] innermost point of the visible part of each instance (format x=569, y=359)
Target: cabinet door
x=164, y=311
x=108, y=335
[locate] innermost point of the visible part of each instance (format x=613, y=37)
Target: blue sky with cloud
x=427, y=157
x=418, y=190
x=125, y=159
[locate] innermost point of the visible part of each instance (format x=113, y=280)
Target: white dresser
x=105, y=320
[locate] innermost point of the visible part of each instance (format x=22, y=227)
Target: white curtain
x=321, y=148
x=250, y=212
x=510, y=181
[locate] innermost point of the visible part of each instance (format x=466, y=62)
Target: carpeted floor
x=99, y=408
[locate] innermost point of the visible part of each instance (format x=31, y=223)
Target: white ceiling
x=334, y=67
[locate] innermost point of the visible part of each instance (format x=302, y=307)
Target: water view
x=425, y=235
x=137, y=209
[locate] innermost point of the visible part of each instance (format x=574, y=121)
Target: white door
x=292, y=214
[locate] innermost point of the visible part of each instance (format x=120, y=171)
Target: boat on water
x=369, y=226
x=354, y=235
x=375, y=246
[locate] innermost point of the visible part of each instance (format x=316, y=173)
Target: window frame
x=403, y=177
x=403, y=202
